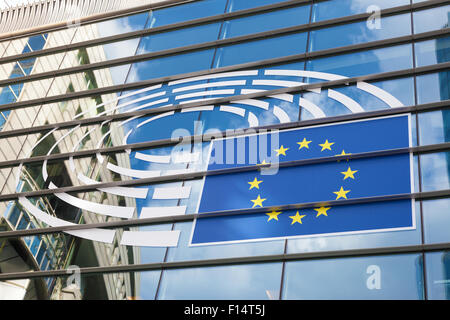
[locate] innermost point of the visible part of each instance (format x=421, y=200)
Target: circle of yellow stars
x=322, y=211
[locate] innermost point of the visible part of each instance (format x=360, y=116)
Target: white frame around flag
x=413, y=206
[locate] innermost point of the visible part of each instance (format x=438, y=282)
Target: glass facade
x=78, y=110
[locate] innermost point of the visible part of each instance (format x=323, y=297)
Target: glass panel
x=366, y=62
x=435, y=171
x=255, y=282
x=236, y=5
x=261, y=49
x=431, y=19
x=432, y=51
x=436, y=219
x=433, y=87
x=434, y=127
x=325, y=10
x=384, y=277
x=179, y=38
x=187, y=11
x=359, y=32
x=438, y=275
x=267, y=21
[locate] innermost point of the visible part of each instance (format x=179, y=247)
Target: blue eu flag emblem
x=324, y=184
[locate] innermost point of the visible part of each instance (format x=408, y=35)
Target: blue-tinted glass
x=432, y=51
x=436, y=219
x=124, y=48
x=431, y=19
x=325, y=10
x=184, y=12
x=267, y=21
x=367, y=62
x=434, y=127
x=23, y=223
x=261, y=50
x=171, y=65
x=257, y=281
x=435, y=171
x=236, y=5
x=433, y=87
x=387, y=277
x=179, y=38
x=14, y=216
x=438, y=275
x=41, y=253
x=36, y=42
x=359, y=32
x=148, y=284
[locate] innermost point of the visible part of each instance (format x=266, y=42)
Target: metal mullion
x=200, y=174
x=121, y=116
x=233, y=261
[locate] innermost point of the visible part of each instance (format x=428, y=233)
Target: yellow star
x=254, y=184
x=263, y=163
x=297, y=218
x=258, y=201
x=349, y=173
x=322, y=211
x=273, y=215
x=282, y=151
x=343, y=153
x=326, y=145
x=341, y=193
x=304, y=144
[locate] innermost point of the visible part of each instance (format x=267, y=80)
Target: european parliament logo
x=318, y=183
x=316, y=197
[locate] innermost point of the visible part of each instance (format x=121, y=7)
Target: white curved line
x=381, y=94
x=117, y=99
x=205, y=93
x=235, y=110
x=202, y=108
x=152, y=158
x=210, y=85
x=157, y=212
x=277, y=83
x=304, y=73
x=101, y=235
x=282, y=96
x=149, y=104
x=150, y=238
x=132, y=172
x=44, y=164
x=172, y=193
x=255, y=103
x=351, y=104
x=215, y=76
x=162, y=115
x=140, y=193
x=252, y=120
x=281, y=114
x=103, y=209
x=312, y=108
